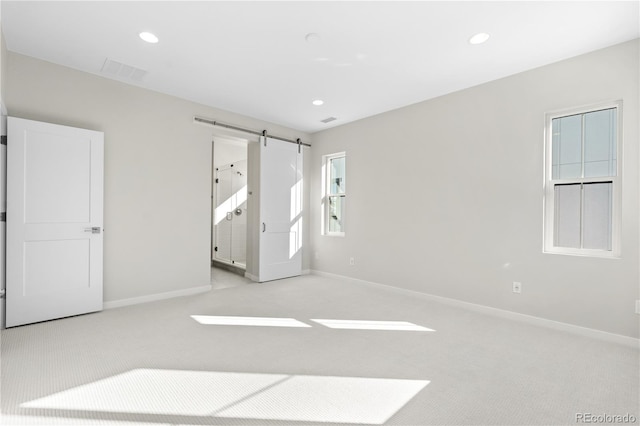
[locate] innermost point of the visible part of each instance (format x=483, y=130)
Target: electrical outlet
x=352, y=261
x=517, y=287
x=637, y=306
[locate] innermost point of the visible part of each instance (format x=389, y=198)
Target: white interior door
x=280, y=254
x=54, y=221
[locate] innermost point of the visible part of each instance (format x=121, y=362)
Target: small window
x=334, y=171
x=582, y=194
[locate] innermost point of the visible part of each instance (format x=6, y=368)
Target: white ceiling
x=252, y=57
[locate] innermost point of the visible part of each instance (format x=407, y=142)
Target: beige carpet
x=397, y=359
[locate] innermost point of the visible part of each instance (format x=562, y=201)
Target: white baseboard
x=156, y=297
x=510, y=315
x=255, y=278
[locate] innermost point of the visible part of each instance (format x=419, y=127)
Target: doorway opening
x=229, y=205
x=256, y=206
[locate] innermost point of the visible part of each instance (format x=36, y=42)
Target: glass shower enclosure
x=230, y=214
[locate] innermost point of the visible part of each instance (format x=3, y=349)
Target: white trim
x=155, y=297
x=501, y=313
x=3, y=117
x=255, y=278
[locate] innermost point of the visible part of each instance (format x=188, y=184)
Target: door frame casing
x=252, y=173
x=253, y=197
x=214, y=188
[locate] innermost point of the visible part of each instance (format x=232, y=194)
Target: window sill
x=583, y=253
x=333, y=234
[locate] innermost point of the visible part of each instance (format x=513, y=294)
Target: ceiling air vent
x=124, y=71
x=328, y=120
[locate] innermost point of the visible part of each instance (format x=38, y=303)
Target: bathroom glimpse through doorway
x=229, y=205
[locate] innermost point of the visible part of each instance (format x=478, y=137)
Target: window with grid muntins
x=582, y=194
x=335, y=184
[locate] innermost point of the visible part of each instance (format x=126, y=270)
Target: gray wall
x=3, y=64
x=445, y=196
x=157, y=171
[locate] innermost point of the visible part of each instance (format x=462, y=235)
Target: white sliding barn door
x=280, y=253
x=54, y=221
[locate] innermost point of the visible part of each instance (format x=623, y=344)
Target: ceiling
x=368, y=57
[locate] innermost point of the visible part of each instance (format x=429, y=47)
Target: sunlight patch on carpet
x=371, y=325
x=249, y=321
x=239, y=395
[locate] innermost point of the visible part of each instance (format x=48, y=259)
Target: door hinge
x=2, y=293
x=215, y=249
x=3, y=217
x=217, y=180
x=3, y=140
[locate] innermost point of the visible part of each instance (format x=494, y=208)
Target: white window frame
x=550, y=183
x=326, y=187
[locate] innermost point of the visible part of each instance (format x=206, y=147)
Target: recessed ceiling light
x=479, y=38
x=148, y=37
x=318, y=102
x=312, y=37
